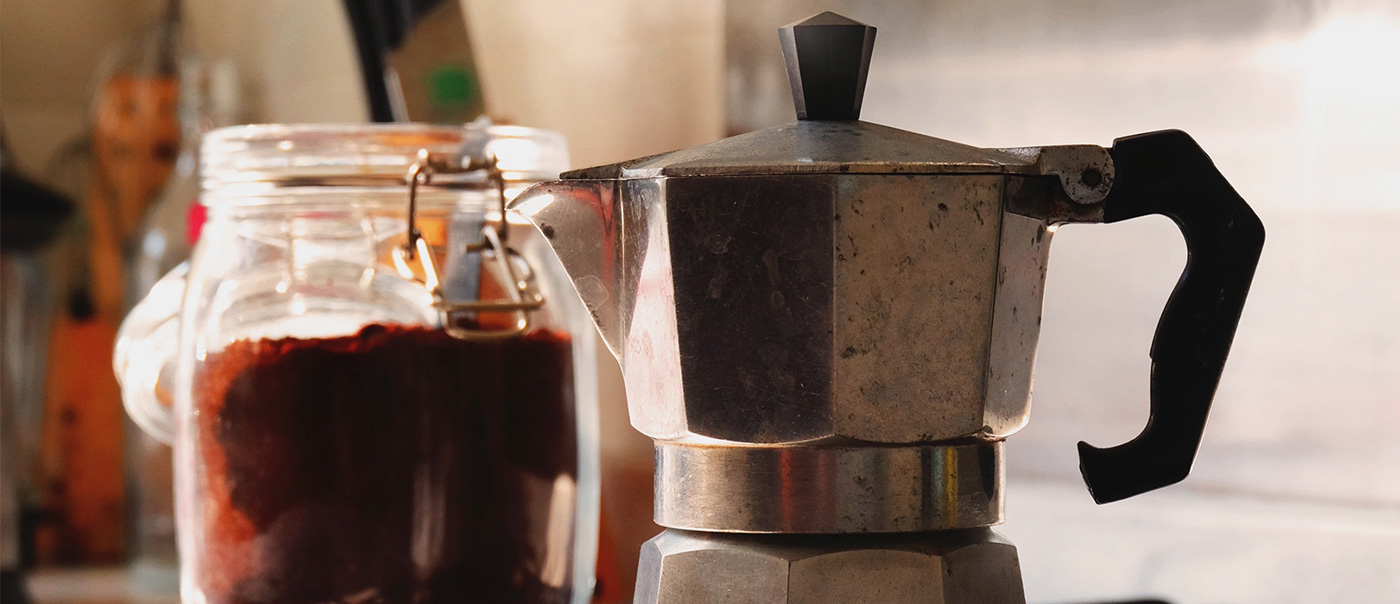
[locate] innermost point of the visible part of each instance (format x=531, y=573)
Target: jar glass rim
x=241, y=164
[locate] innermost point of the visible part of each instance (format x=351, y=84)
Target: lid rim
x=818, y=147
x=680, y=172
x=375, y=155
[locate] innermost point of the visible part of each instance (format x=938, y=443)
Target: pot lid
x=828, y=57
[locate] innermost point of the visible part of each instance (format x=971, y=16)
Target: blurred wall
x=1295, y=496
x=612, y=75
x=46, y=64
x=297, y=57
x=620, y=78
x=294, y=57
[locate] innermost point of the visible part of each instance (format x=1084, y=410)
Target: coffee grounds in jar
x=396, y=465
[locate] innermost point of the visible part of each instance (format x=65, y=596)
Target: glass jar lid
x=254, y=160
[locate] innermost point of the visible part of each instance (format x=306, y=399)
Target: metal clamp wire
x=522, y=296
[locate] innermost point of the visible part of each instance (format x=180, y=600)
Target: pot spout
x=610, y=237
x=581, y=221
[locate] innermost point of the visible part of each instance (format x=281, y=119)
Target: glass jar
x=382, y=387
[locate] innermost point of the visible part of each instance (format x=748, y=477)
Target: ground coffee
x=395, y=465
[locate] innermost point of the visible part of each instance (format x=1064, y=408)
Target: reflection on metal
x=828, y=489
x=948, y=567
x=1085, y=171
x=754, y=313
x=792, y=293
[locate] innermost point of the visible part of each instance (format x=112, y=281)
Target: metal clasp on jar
x=513, y=274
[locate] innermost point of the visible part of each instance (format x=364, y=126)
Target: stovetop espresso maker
x=829, y=327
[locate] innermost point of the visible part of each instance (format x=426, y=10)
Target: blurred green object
x=416, y=61
x=452, y=87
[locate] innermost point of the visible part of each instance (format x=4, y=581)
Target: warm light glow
x=533, y=204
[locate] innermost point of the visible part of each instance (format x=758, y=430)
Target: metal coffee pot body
x=777, y=309
x=840, y=313
x=829, y=327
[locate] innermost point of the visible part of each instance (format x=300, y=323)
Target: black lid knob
x=827, y=59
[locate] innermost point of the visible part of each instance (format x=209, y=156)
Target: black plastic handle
x=1167, y=173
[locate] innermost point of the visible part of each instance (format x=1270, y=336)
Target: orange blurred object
x=136, y=140
x=82, y=445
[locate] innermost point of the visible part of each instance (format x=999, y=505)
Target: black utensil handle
x=1167, y=173
x=372, y=45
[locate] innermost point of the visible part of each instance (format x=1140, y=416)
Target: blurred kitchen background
x=1295, y=496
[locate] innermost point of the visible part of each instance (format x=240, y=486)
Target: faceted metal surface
x=829, y=489
x=790, y=309
x=883, y=311
x=951, y=567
